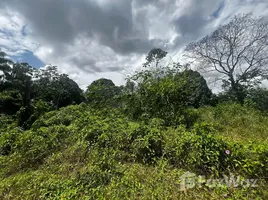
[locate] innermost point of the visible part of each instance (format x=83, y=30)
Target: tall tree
x=102, y=91
x=5, y=71
x=154, y=56
x=165, y=92
x=57, y=89
x=237, y=51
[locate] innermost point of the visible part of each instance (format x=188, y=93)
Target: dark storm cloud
x=111, y=23
x=58, y=23
x=90, y=65
x=197, y=16
x=125, y=27
x=191, y=25
x=86, y=64
x=146, y=2
x=61, y=21
x=84, y=37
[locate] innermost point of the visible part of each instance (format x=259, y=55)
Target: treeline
x=166, y=92
x=237, y=52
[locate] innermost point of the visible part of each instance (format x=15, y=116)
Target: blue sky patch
x=29, y=58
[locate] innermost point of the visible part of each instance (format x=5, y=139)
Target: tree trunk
x=27, y=91
x=238, y=91
x=26, y=113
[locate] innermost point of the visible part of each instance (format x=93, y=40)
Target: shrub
x=200, y=150
x=148, y=146
x=10, y=101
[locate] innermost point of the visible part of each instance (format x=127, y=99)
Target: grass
x=237, y=123
x=82, y=153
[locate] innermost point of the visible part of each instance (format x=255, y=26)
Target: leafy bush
x=63, y=117
x=200, y=150
x=103, y=92
x=258, y=98
x=10, y=101
x=166, y=93
x=29, y=149
x=147, y=144
x=80, y=152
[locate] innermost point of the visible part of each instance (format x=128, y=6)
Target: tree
x=165, y=92
x=57, y=89
x=66, y=92
x=26, y=91
x=16, y=76
x=237, y=51
x=155, y=55
x=42, y=86
x=129, y=87
x=10, y=102
x=258, y=98
x=5, y=71
x=16, y=82
x=102, y=91
x=197, y=92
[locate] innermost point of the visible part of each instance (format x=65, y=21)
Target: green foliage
x=201, y=150
x=21, y=86
x=154, y=57
x=57, y=89
x=95, y=150
x=102, y=92
x=80, y=152
x=29, y=149
x=147, y=144
x=6, y=123
x=7, y=142
x=236, y=122
x=65, y=116
x=10, y=101
x=166, y=93
x=258, y=98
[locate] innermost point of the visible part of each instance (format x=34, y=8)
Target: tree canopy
x=237, y=52
x=102, y=91
x=166, y=91
x=22, y=87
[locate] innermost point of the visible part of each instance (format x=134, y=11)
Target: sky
x=91, y=39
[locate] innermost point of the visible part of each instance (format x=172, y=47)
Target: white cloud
x=12, y=40
x=109, y=38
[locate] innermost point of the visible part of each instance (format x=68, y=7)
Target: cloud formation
x=88, y=39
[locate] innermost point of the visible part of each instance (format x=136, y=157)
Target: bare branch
x=238, y=50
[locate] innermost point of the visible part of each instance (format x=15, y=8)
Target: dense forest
x=137, y=140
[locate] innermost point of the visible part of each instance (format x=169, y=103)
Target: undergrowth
x=79, y=152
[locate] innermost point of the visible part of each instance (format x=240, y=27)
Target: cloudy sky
x=90, y=39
